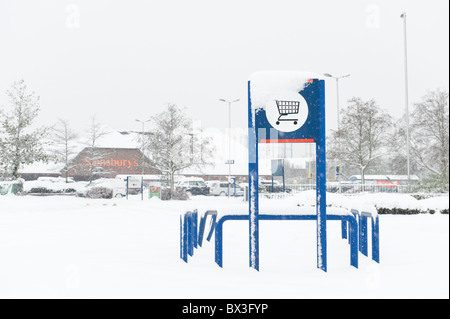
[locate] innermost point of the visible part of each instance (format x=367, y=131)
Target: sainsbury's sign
x=112, y=162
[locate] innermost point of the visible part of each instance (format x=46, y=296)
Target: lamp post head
x=336, y=77
x=223, y=100
x=142, y=121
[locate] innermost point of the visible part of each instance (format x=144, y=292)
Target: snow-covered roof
x=116, y=139
x=42, y=168
x=267, y=86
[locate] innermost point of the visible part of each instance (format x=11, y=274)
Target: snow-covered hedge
x=380, y=203
x=55, y=186
x=404, y=211
x=99, y=192
x=44, y=190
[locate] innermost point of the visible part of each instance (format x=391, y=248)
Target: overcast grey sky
x=124, y=60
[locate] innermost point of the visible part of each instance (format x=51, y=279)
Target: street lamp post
x=408, y=145
x=337, y=78
x=229, y=141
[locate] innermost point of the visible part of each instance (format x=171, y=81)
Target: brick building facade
x=108, y=163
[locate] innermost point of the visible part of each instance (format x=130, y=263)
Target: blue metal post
x=190, y=235
x=344, y=229
x=353, y=240
x=253, y=187
x=127, y=185
x=201, y=229
x=195, y=228
x=142, y=187
x=218, y=256
x=321, y=184
x=184, y=238
x=363, y=247
x=213, y=226
x=376, y=239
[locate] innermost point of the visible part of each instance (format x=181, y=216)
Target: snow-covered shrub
x=99, y=192
x=165, y=194
x=40, y=190
x=180, y=194
x=404, y=211
x=177, y=194
x=433, y=184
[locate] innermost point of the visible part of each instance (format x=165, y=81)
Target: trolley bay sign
x=286, y=107
x=293, y=119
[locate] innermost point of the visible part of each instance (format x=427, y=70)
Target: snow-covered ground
x=67, y=247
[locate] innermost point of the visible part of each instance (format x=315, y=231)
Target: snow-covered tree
x=21, y=143
x=430, y=136
x=173, y=145
x=429, y=140
x=64, y=145
x=94, y=132
x=361, y=138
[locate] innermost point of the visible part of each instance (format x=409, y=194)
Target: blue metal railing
x=354, y=228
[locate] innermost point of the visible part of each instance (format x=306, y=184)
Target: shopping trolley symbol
x=287, y=108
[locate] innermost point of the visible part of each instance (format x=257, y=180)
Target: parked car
x=118, y=187
x=193, y=186
x=218, y=188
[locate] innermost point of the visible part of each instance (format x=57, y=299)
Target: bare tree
x=64, y=145
x=20, y=142
x=361, y=138
x=173, y=145
x=430, y=135
x=94, y=133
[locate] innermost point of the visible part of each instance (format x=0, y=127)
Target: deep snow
x=64, y=247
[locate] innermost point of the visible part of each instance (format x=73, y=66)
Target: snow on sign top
x=268, y=86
